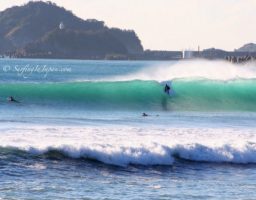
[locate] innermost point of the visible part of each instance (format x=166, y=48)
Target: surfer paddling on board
x=146, y=115
x=11, y=99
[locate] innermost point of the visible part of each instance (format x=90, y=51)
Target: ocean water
x=78, y=131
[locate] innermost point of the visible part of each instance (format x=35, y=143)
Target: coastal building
x=188, y=54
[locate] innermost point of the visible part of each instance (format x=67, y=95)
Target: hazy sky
x=172, y=24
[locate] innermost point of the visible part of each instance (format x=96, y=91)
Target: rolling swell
x=189, y=95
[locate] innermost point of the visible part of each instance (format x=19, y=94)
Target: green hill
x=33, y=30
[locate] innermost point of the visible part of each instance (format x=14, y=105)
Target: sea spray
x=192, y=69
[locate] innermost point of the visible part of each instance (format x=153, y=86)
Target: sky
x=171, y=24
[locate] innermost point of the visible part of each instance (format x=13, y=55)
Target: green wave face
x=216, y=95
x=188, y=95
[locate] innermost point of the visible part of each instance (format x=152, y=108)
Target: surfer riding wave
x=167, y=89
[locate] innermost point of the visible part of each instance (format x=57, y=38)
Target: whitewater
x=147, y=146
x=83, y=129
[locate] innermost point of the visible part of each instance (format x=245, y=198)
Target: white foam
x=215, y=70
x=132, y=145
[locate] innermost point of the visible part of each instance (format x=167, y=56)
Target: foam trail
x=214, y=70
x=147, y=146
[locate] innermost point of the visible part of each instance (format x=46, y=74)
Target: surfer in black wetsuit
x=144, y=115
x=167, y=89
x=11, y=99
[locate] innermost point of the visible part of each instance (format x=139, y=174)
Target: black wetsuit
x=11, y=99
x=167, y=89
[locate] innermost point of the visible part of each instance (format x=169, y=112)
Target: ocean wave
x=134, y=146
x=188, y=94
x=147, y=156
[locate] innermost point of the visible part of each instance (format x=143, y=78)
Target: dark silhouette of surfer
x=167, y=89
x=145, y=115
x=11, y=99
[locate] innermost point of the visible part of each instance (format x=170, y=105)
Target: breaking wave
x=147, y=147
x=188, y=94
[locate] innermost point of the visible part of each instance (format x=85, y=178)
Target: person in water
x=144, y=115
x=11, y=99
x=167, y=89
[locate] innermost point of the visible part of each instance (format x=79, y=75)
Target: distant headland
x=45, y=30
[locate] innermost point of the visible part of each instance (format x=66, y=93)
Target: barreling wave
x=188, y=94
